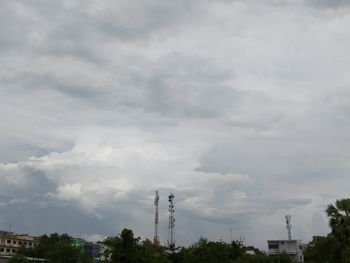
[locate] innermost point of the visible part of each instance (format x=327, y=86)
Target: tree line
x=126, y=248
x=335, y=247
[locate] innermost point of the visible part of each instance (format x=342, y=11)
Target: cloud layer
x=240, y=108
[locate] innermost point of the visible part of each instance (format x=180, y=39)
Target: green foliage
x=125, y=248
x=19, y=259
x=335, y=247
x=57, y=249
x=339, y=220
x=322, y=250
x=205, y=251
x=256, y=259
x=148, y=252
x=282, y=258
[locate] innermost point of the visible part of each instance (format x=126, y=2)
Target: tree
x=57, y=248
x=236, y=249
x=322, y=249
x=151, y=253
x=19, y=259
x=335, y=247
x=205, y=251
x=339, y=220
x=123, y=248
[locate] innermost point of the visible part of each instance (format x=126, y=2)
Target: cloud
x=94, y=237
x=329, y=3
x=18, y=201
x=69, y=191
x=238, y=107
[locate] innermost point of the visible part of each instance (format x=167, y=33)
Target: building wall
x=10, y=243
x=93, y=249
x=294, y=248
x=4, y=260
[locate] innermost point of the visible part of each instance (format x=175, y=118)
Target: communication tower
x=156, y=219
x=289, y=226
x=171, y=227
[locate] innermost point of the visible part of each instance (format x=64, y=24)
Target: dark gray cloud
x=329, y=3
x=238, y=107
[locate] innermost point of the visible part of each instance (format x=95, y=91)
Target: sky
x=241, y=109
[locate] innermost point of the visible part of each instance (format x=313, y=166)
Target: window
x=2, y=249
x=8, y=250
x=13, y=251
x=30, y=243
x=273, y=246
x=14, y=242
x=20, y=242
x=8, y=241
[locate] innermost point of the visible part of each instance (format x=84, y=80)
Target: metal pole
x=171, y=227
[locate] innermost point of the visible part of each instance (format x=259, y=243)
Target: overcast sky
x=240, y=108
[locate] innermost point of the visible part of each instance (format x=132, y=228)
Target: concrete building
x=10, y=243
x=91, y=248
x=293, y=248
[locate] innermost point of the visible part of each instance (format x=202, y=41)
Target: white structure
x=289, y=226
x=10, y=242
x=293, y=248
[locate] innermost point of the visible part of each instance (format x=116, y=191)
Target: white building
x=293, y=248
x=10, y=243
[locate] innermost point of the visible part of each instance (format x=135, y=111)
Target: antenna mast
x=171, y=227
x=289, y=226
x=156, y=220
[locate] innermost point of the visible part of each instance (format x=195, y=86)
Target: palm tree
x=339, y=220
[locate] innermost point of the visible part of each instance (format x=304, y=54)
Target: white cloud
x=20, y=201
x=94, y=237
x=69, y=191
x=239, y=107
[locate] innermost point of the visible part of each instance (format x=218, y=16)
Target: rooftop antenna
x=289, y=226
x=241, y=240
x=171, y=227
x=156, y=219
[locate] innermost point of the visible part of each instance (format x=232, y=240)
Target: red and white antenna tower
x=156, y=220
x=171, y=227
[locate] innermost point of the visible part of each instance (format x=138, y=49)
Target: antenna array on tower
x=171, y=227
x=156, y=220
x=289, y=226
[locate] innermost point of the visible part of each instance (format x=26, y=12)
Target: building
x=78, y=243
x=10, y=243
x=105, y=253
x=293, y=248
x=91, y=248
